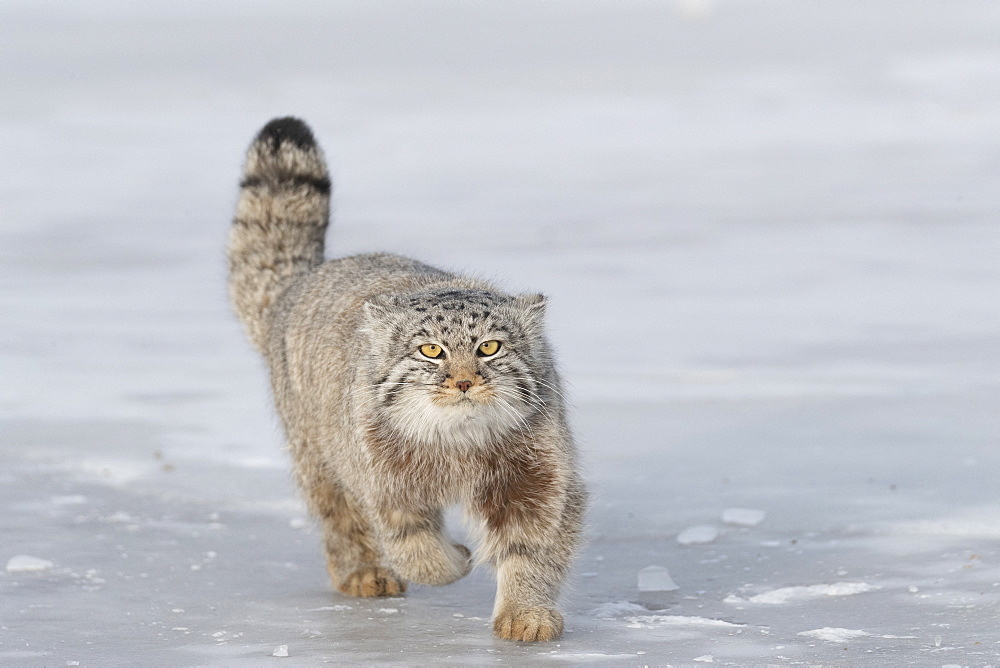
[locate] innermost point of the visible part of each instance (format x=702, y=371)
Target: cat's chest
x=420, y=474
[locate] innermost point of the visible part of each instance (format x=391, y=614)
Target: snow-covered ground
x=770, y=233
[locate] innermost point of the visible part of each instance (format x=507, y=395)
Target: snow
x=656, y=578
x=337, y=608
x=744, y=517
x=280, y=650
x=617, y=609
x=24, y=563
x=831, y=634
x=591, y=657
x=768, y=233
x=698, y=535
x=647, y=621
x=804, y=593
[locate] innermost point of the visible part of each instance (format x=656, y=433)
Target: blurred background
x=769, y=233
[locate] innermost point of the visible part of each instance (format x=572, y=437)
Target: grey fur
x=383, y=437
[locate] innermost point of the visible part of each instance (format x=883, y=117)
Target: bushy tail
x=280, y=221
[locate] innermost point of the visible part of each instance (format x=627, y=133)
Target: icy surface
x=656, y=578
x=744, y=517
x=697, y=535
x=768, y=233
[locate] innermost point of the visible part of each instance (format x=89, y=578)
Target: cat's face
x=456, y=366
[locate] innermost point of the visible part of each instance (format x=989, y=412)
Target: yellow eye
x=431, y=350
x=488, y=348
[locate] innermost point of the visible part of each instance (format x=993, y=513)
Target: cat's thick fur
x=383, y=436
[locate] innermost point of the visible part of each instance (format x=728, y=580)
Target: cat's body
x=404, y=389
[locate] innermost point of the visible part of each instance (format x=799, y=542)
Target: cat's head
x=457, y=366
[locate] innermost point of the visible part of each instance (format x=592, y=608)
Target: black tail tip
x=287, y=129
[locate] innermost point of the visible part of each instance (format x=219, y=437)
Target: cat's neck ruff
x=460, y=426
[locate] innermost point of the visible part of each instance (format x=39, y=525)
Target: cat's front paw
x=528, y=624
x=371, y=581
x=450, y=564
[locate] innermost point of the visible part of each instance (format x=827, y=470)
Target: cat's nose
x=464, y=385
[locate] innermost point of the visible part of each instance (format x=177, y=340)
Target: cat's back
x=340, y=286
x=372, y=273
x=327, y=301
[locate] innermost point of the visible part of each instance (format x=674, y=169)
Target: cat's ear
x=380, y=308
x=533, y=308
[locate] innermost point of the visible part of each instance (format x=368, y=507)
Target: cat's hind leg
x=353, y=558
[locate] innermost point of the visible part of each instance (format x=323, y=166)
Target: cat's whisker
x=527, y=396
x=520, y=395
x=532, y=397
x=544, y=383
x=508, y=408
x=551, y=386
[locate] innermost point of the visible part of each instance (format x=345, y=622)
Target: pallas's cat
x=404, y=389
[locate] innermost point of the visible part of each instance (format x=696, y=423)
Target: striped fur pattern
x=383, y=436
